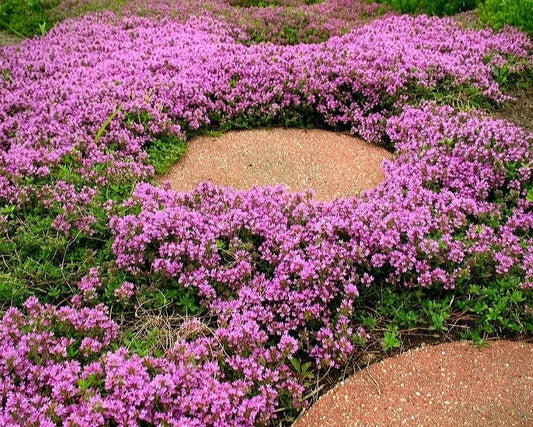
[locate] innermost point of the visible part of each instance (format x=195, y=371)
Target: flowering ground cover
x=285, y=22
x=262, y=289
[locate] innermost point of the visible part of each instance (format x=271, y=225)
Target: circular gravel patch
x=452, y=384
x=333, y=164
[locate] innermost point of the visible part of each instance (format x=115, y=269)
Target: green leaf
x=305, y=368
x=106, y=124
x=390, y=339
x=8, y=210
x=295, y=364
x=221, y=244
x=517, y=297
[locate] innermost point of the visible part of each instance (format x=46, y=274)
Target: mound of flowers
x=156, y=78
x=274, y=276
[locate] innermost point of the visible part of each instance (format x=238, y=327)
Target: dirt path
x=519, y=110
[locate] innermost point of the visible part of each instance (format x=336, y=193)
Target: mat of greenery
x=498, y=13
x=431, y=7
x=27, y=17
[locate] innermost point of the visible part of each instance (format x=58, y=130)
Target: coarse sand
x=333, y=164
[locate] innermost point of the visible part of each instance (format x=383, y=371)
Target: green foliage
x=391, y=339
x=142, y=118
x=296, y=29
x=401, y=308
x=437, y=312
x=13, y=290
x=498, y=13
x=32, y=255
x=83, y=7
x=301, y=116
x=499, y=309
x=143, y=343
x=431, y=7
x=509, y=79
x=6, y=75
x=36, y=259
x=482, y=305
x=303, y=370
x=464, y=97
x=92, y=381
x=165, y=151
x=27, y=18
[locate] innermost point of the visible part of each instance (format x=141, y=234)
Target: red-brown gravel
x=334, y=164
x=452, y=384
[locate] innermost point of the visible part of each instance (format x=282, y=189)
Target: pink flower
x=89, y=284
x=125, y=292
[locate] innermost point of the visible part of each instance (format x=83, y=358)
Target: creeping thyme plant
x=127, y=303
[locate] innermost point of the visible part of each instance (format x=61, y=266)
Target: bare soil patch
x=520, y=109
x=7, y=39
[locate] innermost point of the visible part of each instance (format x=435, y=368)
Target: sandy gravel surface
x=333, y=164
x=453, y=384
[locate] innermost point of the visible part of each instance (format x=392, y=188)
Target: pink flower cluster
x=89, y=284
x=313, y=23
x=446, y=198
x=280, y=272
x=56, y=366
x=277, y=23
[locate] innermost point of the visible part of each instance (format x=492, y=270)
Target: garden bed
x=125, y=302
